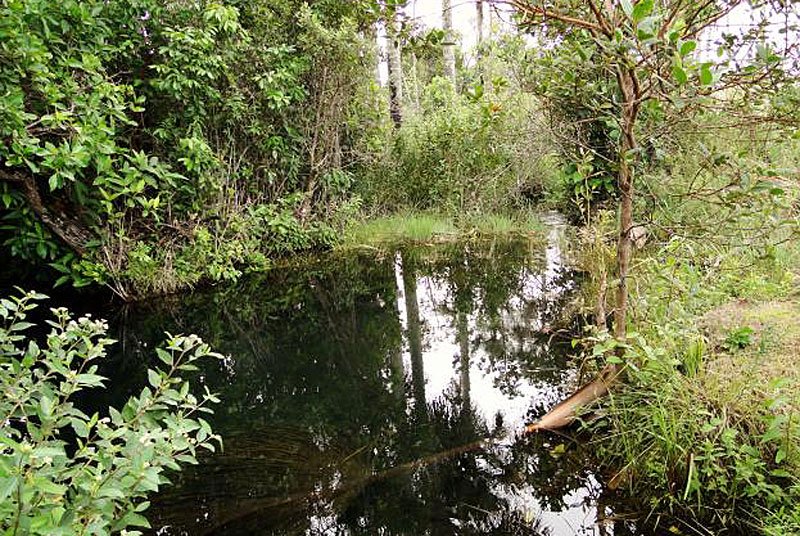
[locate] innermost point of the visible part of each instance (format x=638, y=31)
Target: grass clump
x=423, y=227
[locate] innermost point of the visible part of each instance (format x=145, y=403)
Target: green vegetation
x=198, y=138
x=150, y=146
x=705, y=427
x=65, y=472
x=420, y=227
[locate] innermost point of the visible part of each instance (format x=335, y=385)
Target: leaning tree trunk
x=565, y=412
x=72, y=233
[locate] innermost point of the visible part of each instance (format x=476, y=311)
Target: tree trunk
x=565, y=412
x=630, y=107
x=395, y=68
x=449, y=44
x=479, y=23
x=479, y=47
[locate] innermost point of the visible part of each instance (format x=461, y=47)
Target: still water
x=347, y=375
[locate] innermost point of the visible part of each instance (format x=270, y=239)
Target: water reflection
x=348, y=378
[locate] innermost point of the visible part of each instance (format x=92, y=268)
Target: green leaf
x=706, y=77
x=164, y=356
x=153, y=377
x=7, y=487
x=679, y=74
x=687, y=47
x=642, y=9
x=81, y=430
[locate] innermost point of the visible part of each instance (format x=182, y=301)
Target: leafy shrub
x=460, y=153
x=65, y=472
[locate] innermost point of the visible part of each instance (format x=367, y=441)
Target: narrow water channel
x=342, y=369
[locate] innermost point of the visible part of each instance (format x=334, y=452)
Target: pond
x=357, y=386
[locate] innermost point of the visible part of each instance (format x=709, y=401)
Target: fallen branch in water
x=565, y=412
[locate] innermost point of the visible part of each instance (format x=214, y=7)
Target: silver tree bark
x=449, y=45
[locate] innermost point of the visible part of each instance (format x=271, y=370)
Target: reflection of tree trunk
x=414, y=338
x=398, y=373
x=463, y=341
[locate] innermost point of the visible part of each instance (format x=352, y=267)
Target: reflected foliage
x=331, y=423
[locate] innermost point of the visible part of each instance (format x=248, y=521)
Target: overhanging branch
x=71, y=232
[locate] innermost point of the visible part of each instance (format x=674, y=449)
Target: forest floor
x=757, y=351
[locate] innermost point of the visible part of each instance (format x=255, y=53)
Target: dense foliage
x=63, y=471
x=141, y=126
x=151, y=145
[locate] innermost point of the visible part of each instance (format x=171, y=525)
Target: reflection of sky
x=441, y=354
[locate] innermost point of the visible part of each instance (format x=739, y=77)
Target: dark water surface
x=342, y=370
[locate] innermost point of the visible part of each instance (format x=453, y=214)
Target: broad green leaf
x=7, y=487
x=642, y=9
x=687, y=47
x=153, y=377
x=679, y=74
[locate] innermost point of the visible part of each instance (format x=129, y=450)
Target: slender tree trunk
x=479, y=21
x=395, y=67
x=479, y=39
x=376, y=39
x=630, y=108
x=564, y=413
x=449, y=45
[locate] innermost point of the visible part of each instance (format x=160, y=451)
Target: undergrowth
x=705, y=427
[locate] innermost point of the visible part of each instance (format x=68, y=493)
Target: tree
x=394, y=46
x=449, y=42
x=647, y=51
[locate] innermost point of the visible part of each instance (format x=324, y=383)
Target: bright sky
x=429, y=13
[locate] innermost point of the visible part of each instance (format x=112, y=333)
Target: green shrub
x=65, y=472
x=460, y=154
